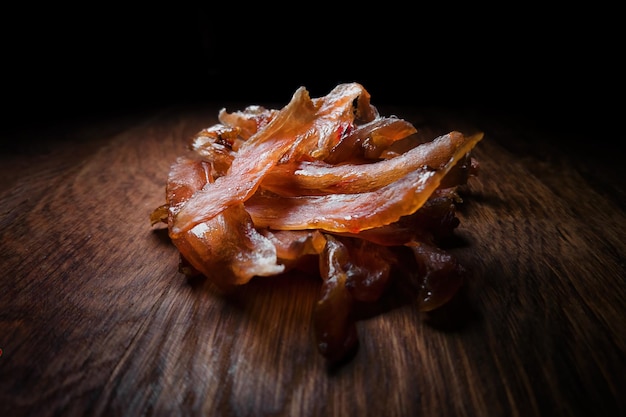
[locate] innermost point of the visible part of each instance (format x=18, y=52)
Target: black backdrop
x=61, y=64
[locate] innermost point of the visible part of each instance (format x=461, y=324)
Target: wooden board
x=95, y=318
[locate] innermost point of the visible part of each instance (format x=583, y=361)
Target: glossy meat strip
x=317, y=178
x=227, y=248
x=353, y=271
x=434, y=222
x=333, y=324
x=337, y=113
x=350, y=213
x=186, y=176
x=368, y=141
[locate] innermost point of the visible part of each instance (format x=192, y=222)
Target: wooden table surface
x=95, y=318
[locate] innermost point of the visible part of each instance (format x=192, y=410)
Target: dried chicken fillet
x=264, y=190
x=359, y=209
x=316, y=177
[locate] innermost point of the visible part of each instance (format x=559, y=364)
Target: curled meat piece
x=370, y=140
x=436, y=275
x=227, y=248
x=249, y=121
x=217, y=145
x=333, y=322
x=326, y=185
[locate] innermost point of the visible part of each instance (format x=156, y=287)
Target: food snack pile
x=265, y=191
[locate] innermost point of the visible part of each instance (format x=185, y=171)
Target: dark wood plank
x=97, y=320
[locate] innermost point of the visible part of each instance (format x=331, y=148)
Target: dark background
x=559, y=70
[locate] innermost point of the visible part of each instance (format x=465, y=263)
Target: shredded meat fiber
x=264, y=190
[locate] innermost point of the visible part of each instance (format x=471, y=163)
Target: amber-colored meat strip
x=433, y=222
x=350, y=213
x=227, y=248
x=316, y=177
x=337, y=112
x=369, y=140
x=333, y=324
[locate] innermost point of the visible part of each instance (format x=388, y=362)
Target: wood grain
x=95, y=318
